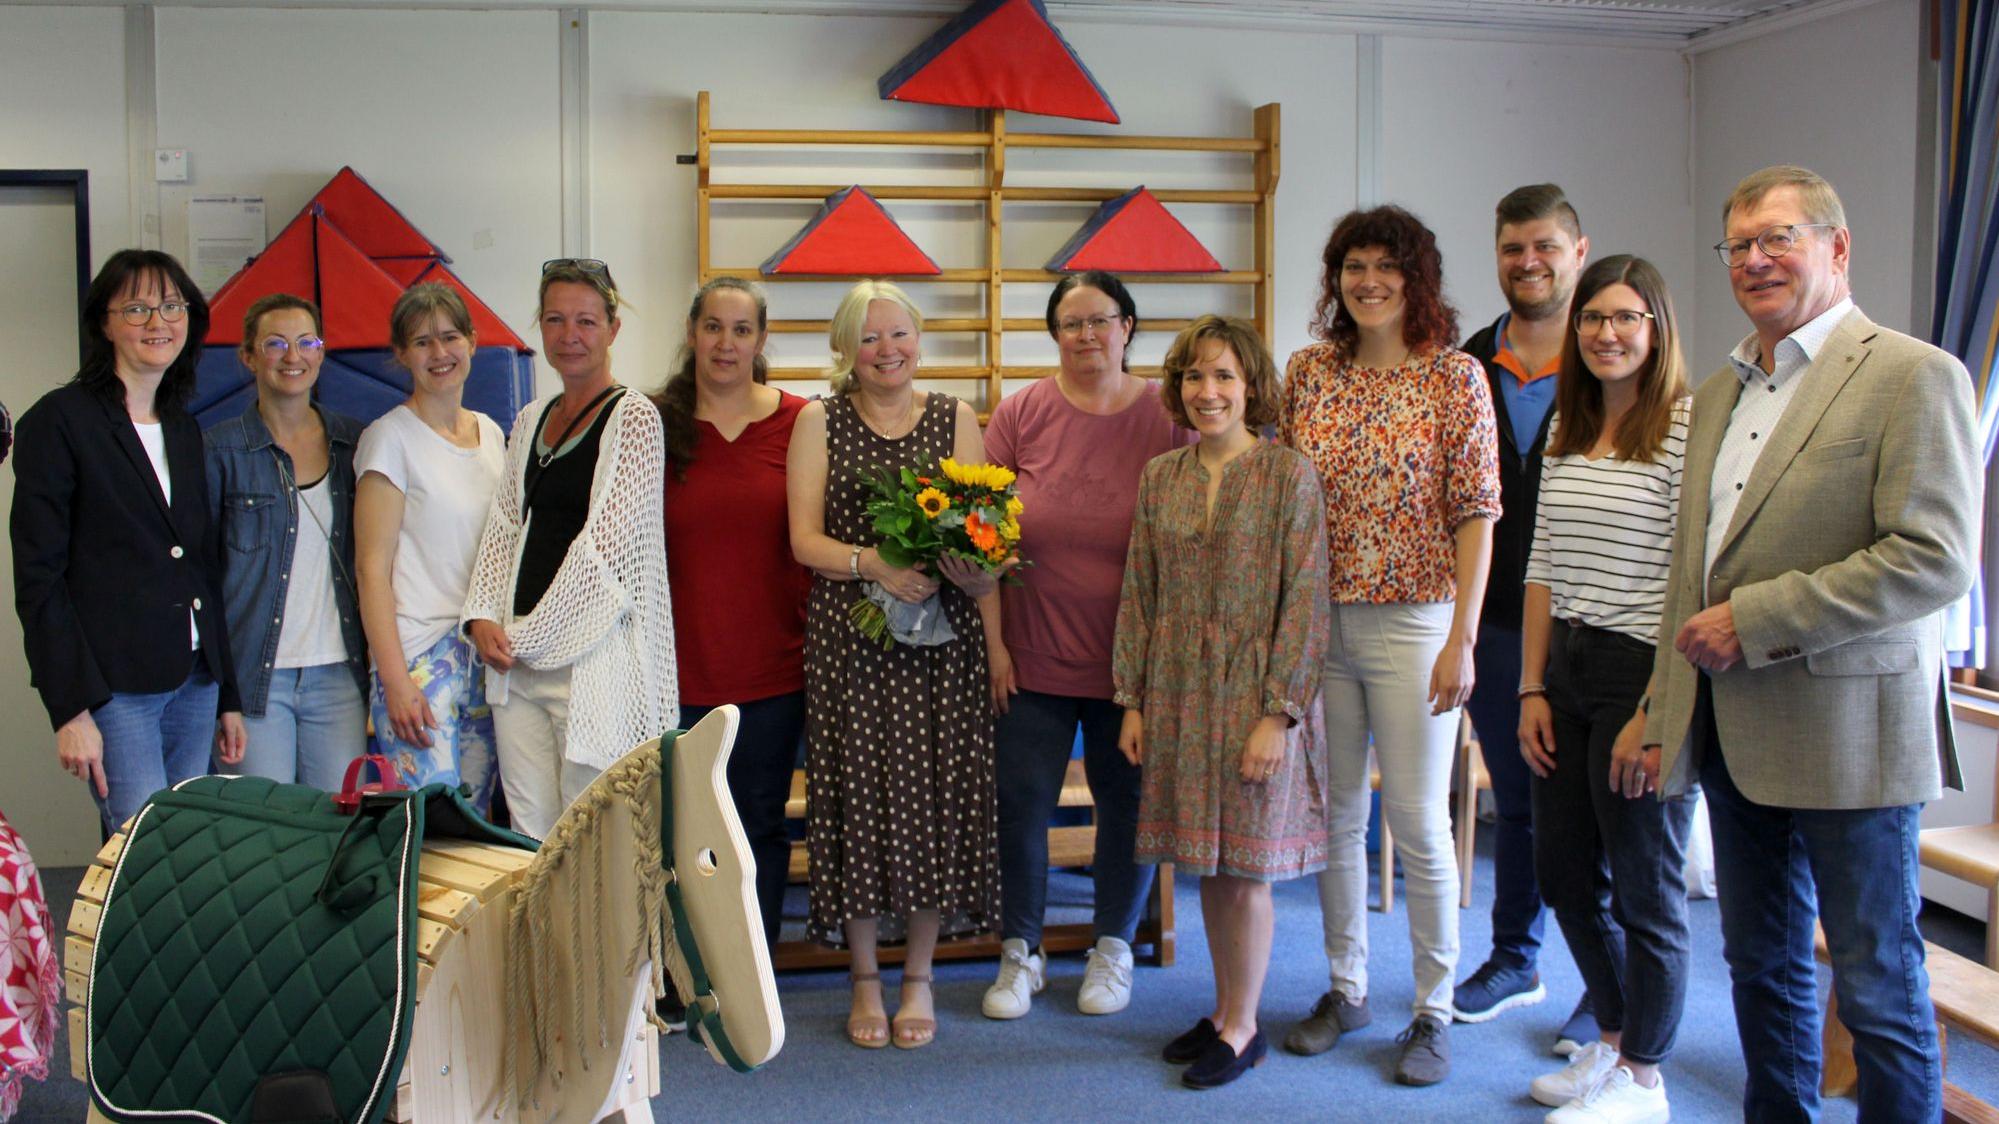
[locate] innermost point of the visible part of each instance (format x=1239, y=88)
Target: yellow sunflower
x=977, y=475
x=933, y=502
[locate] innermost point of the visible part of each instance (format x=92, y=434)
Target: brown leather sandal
x=911, y=1032
x=869, y=1032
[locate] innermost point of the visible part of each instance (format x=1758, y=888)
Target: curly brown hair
x=1430, y=321
x=1259, y=370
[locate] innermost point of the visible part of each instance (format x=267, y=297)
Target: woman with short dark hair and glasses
x=1077, y=442
x=281, y=488
x=117, y=567
x=1610, y=855
x=569, y=605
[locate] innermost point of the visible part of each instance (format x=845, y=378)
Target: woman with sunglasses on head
x=281, y=488
x=1400, y=425
x=425, y=472
x=117, y=566
x=1077, y=442
x=1610, y=855
x=569, y=605
x=738, y=595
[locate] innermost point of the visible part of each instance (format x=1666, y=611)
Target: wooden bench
x=1966, y=996
x=1971, y=853
x=1073, y=846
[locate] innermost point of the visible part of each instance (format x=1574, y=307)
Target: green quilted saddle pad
x=254, y=936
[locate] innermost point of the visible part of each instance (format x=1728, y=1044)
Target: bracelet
x=1527, y=689
x=854, y=563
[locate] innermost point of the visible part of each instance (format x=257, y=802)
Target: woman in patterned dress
x=898, y=741
x=1220, y=634
x=1400, y=427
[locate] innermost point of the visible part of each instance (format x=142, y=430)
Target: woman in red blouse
x=738, y=596
x=1400, y=427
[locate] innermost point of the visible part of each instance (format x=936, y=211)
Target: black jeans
x=1613, y=869
x=769, y=745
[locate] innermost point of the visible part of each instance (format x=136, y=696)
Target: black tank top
x=558, y=505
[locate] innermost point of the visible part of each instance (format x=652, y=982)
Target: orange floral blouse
x=1405, y=454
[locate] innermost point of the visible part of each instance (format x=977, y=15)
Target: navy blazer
x=105, y=571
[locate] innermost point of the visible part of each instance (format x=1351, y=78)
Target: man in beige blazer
x=1829, y=514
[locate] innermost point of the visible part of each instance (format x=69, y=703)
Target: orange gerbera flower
x=983, y=534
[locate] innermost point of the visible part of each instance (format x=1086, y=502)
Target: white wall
x=1837, y=95
x=451, y=115
x=62, y=105
x=1609, y=125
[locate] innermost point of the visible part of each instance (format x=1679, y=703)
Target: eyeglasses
x=136, y=314
x=1776, y=242
x=1624, y=322
x=274, y=347
x=1097, y=325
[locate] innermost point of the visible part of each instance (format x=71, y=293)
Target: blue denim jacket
x=258, y=516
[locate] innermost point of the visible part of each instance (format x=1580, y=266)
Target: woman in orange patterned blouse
x=1399, y=425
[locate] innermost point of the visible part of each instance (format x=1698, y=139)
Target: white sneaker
x=1020, y=978
x=1107, y=980
x=1616, y=1098
x=1586, y=1067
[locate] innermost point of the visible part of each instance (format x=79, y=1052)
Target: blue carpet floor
x=1058, y=1064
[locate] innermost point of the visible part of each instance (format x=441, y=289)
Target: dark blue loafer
x=1219, y=1064
x=1189, y=1046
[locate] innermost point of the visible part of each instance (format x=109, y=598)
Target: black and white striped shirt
x=1603, y=535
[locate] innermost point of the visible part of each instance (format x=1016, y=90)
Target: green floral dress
x=1217, y=627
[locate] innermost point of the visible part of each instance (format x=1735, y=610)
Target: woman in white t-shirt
x=426, y=473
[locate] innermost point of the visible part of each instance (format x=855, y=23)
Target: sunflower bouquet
x=965, y=511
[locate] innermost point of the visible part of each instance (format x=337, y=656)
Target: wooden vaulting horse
x=244, y=952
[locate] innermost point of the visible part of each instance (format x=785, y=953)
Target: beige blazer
x=1856, y=528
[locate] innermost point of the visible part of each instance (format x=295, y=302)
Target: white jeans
x=532, y=729
x=1378, y=668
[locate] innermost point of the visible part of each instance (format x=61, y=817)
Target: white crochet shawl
x=607, y=613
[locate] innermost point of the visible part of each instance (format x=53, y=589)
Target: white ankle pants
x=531, y=729
x=1377, y=680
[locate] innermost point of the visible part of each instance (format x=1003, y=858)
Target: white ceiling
x=1685, y=24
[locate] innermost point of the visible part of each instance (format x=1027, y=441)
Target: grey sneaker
x=1426, y=1052
x=1332, y=1016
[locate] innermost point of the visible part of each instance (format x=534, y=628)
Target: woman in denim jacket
x=281, y=481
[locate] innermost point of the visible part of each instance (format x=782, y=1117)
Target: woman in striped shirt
x=1610, y=859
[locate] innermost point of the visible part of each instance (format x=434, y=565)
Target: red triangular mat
x=492, y=331
x=1000, y=54
x=285, y=266
x=370, y=221
x=1135, y=233
x=355, y=296
x=850, y=236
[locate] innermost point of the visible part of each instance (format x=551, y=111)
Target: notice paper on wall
x=223, y=233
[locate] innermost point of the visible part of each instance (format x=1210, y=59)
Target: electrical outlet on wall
x=170, y=165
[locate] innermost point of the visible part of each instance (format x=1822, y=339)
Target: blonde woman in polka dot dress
x=899, y=742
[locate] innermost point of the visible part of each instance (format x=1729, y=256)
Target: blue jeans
x=1517, y=916
x=1032, y=741
x=1613, y=868
x=1860, y=866
x=154, y=741
x=770, y=739
x=315, y=721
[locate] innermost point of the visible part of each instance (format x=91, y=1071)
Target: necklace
x=903, y=423
x=543, y=459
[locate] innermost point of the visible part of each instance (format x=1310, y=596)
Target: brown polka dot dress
x=898, y=743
